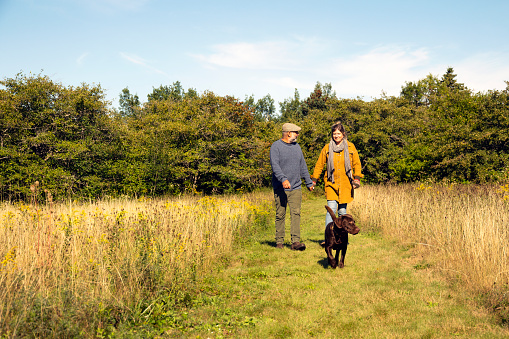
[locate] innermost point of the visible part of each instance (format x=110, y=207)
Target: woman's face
x=337, y=136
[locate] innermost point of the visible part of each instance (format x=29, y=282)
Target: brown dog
x=336, y=237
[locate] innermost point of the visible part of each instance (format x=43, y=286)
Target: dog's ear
x=339, y=222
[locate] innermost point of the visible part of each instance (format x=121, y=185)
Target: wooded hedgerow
x=70, y=141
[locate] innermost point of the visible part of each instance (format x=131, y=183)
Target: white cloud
x=142, y=62
x=265, y=55
x=383, y=69
x=383, y=60
x=81, y=58
x=291, y=83
x=300, y=63
x=483, y=72
x=388, y=68
x=134, y=59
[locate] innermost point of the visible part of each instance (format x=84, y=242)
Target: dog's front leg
x=329, y=243
x=343, y=254
x=333, y=262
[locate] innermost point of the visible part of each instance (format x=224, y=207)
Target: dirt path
x=264, y=292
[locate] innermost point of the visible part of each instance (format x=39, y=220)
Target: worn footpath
x=265, y=292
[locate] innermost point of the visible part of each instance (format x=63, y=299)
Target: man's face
x=292, y=136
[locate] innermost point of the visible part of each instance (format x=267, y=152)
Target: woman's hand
x=356, y=183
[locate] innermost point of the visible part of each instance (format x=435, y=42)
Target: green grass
x=383, y=291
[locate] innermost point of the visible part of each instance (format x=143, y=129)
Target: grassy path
x=382, y=292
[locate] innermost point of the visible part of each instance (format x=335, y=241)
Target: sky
x=363, y=48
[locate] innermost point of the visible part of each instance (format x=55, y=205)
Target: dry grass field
x=110, y=255
x=460, y=230
x=92, y=269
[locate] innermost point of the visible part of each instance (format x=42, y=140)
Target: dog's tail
x=331, y=213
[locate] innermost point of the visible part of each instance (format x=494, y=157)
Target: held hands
x=286, y=185
x=312, y=187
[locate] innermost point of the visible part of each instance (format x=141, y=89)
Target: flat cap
x=288, y=127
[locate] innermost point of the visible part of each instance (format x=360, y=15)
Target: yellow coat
x=341, y=190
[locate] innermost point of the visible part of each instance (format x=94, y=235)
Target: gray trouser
x=292, y=199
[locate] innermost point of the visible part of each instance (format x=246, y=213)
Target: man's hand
x=286, y=185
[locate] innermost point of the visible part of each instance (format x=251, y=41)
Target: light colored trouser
x=335, y=207
x=292, y=199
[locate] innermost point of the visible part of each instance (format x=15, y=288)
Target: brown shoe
x=280, y=246
x=298, y=246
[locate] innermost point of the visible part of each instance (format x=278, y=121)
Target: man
x=288, y=167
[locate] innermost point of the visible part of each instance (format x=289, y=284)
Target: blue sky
x=239, y=48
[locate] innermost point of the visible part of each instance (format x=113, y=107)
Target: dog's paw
x=333, y=264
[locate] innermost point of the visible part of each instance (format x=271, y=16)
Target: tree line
x=72, y=143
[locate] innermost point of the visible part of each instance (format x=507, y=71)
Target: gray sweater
x=287, y=162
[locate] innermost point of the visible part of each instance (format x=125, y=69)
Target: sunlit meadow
x=461, y=230
x=58, y=258
x=110, y=262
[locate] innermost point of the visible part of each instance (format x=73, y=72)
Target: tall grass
x=463, y=230
x=78, y=269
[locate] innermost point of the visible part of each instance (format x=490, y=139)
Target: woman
x=343, y=171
